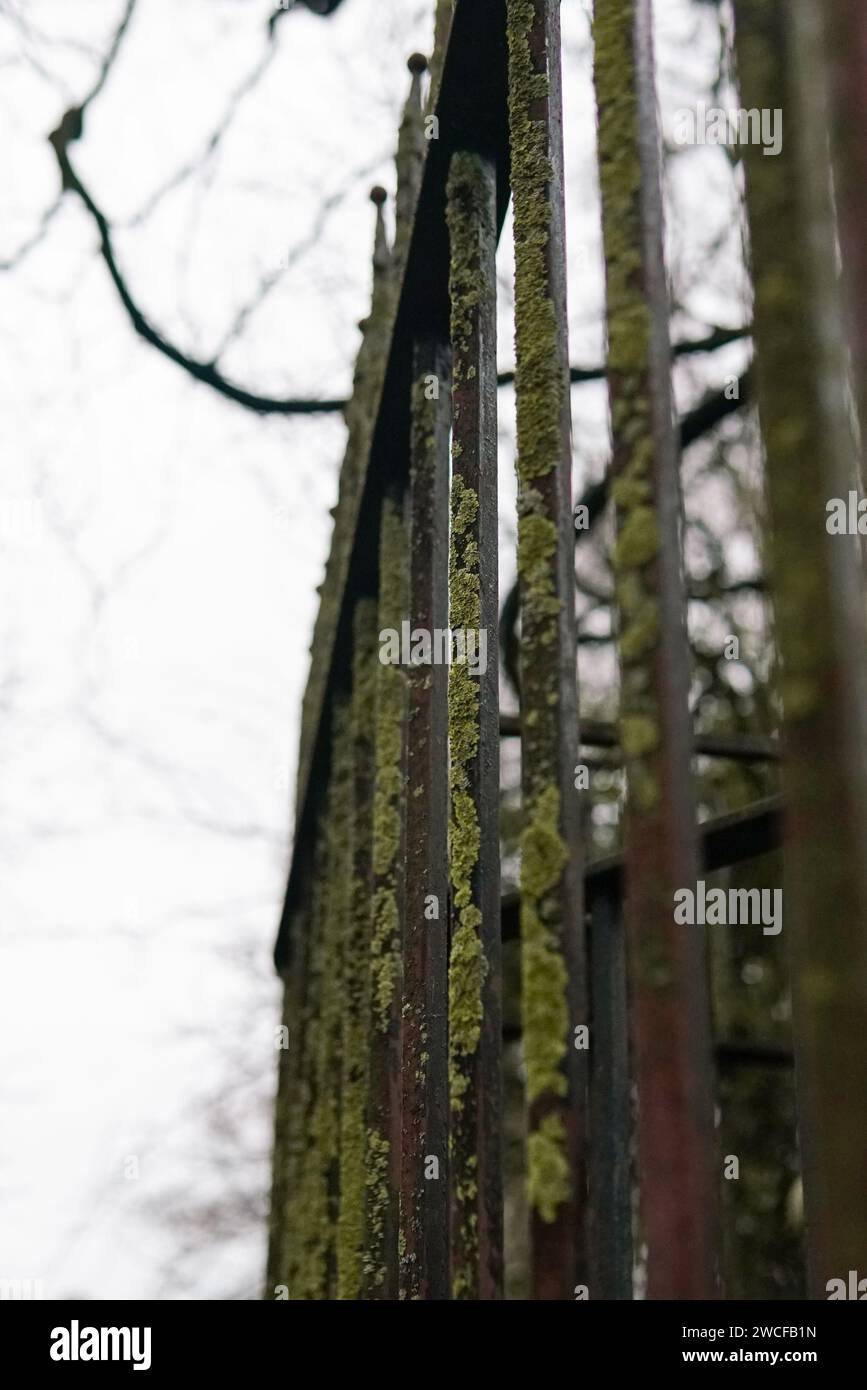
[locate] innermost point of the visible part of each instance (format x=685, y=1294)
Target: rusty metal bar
x=552, y=925
x=671, y=1007
x=818, y=601
x=610, y=1104
x=292, y=1102
x=316, y=1135
x=383, y=1128
x=475, y=976
x=424, y=1258
x=288, y=1119
x=355, y=997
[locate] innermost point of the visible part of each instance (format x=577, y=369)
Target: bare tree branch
x=39, y=235
x=70, y=129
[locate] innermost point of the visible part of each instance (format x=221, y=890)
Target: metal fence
x=388, y=1171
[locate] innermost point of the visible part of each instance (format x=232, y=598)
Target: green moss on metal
x=466, y=977
x=322, y=1028
x=280, y=1233
x=468, y=219
x=390, y=709
x=543, y=969
x=628, y=320
x=356, y=973
x=537, y=548
x=376, y=1161
x=360, y=414
x=548, y=1167
x=541, y=391
x=638, y=736
x=466, y=211
x=540, y=378
x=638, y=539
x=466, y=963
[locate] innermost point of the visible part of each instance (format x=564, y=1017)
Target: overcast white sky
x=160, y=552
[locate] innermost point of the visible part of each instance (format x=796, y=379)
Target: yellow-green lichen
x=360, y=415
x=548, y=1168
x=468, y=219
x=638, y=736
x=466, y=963
x=540, y=378
x=389, y=784
x=628, y=322
x=466, y=977
x=537, y=549
x=356, y=974
x=543, y=969
x=376, y=1159
x=541, y=400
x=319, y=1135
x=471, y=236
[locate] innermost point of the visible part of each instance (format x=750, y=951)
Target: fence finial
x=410, y=155
x=381, y=253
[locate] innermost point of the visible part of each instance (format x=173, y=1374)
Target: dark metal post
x=818, y=599
x=424, y=1258
x=552, y=925
x=610, y=1109
x=355, y=999
x=475, y=983
x=383, y=1138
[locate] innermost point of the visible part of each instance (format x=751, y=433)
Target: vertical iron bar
x=475, y=976
x=279, y=1237
x=424, y=1254
x=383, y=1181
x=552, y=925
x=610, y=1109
x=290, y=1103
x=355, y=1000
x=818, y=601
x=316, y=1137
x=670, y=999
